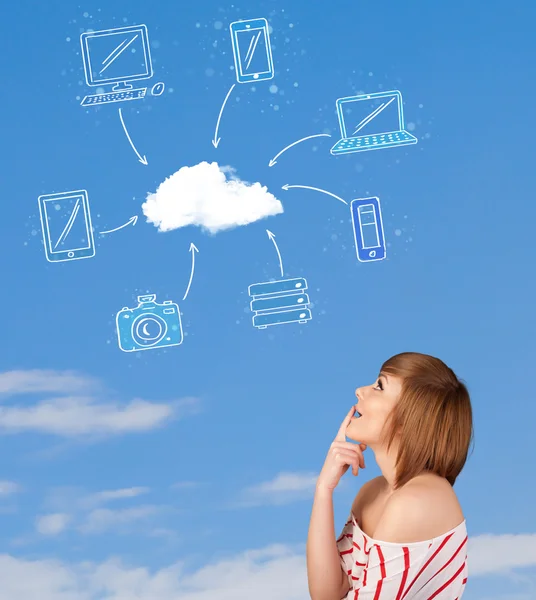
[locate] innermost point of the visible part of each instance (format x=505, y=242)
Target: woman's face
x=374, y=403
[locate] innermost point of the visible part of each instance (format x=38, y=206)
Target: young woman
x=406, y=537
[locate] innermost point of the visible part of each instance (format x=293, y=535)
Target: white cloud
x=7, y=488
x=516, y=551
x=75, y=414
x=274, y=572
x=86, y=512
x=202, y=195
x=76, y=499
x=81, y=416
x=108, y=495
x=52, y=524
x=104, y=519
x=277, y=571
x=283, y=489
x=42, y=380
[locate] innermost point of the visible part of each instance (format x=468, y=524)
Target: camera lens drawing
x=149, y=325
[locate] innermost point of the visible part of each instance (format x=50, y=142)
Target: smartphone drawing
x=368, y=229
x=66, y=224
x=251, y=50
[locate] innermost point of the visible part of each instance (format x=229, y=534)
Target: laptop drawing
x=371, y=122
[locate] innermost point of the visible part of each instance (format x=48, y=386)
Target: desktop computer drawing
x=115, y=57
x=371, y=122
x=278, y=302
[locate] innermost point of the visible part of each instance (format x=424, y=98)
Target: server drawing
x=278, y=302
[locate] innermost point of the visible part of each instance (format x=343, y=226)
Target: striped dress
x=432, y=569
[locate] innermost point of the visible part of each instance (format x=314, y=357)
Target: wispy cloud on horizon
x=285, y=488
x=89, y=513
x=8, y=488
x=276, y=571
x=44, y=381
x=78, y=413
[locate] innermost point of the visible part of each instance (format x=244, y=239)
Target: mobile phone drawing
x=252, y=50
x=66, y=225
x=368, y=229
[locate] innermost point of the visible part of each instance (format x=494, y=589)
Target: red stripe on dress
x=446, y=584
x=382, y=571
x=344, y=533
x=453, y=556
x=382, y=560
x=407, y=564
x=356, y=545
x=341, y=552
x=427, y=563
x=451, y=559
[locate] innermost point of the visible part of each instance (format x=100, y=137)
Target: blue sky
x=187, y=472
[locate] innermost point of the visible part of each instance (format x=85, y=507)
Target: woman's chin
x=353, y=432
x=350, y=434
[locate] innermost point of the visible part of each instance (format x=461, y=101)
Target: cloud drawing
x=209, y=196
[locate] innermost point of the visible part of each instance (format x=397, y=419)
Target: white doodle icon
x=115, y=57
x=149, y=325
x=66, y=225
x=371, y=122
x=252, y=50
x=278, y=302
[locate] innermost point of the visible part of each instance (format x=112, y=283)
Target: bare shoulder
x=424, y=508
x=367, y=492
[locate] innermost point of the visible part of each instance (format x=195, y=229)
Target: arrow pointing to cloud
x=193, y=250
x=307, y=187
x=272, y=237
x=216, y=139
x=274, y=161
x=142, y=160
x=133, y=220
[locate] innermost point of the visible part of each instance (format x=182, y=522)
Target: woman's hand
x=341, y=455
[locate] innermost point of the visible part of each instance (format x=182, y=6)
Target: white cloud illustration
x=208, y=196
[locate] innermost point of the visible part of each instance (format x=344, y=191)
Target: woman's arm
x=327, y=580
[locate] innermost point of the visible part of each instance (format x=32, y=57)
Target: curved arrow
x=193, y=250
x=132, y=220
x=307, y=187
x=142, y=160
x=216, y=139
x=274, y=161
x=272, y=237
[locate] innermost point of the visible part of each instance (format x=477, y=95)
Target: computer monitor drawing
x=116, y=57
